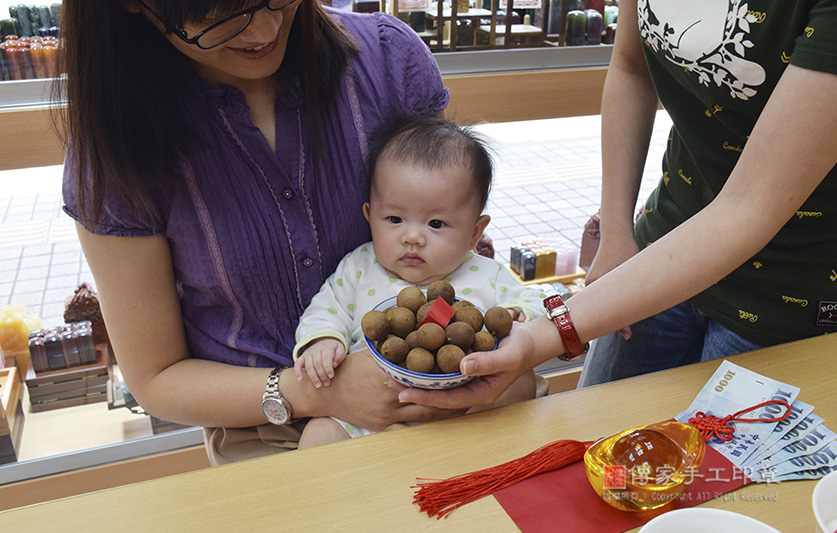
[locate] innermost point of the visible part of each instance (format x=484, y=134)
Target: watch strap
x=272, y=392
x=272, y=387
x=560, y=314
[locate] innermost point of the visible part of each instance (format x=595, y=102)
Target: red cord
x=712, y=426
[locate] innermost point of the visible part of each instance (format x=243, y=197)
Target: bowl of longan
x=419, y=337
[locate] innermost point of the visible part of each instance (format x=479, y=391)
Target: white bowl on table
x=705, y=520
x=409, y=378
x=824, y=502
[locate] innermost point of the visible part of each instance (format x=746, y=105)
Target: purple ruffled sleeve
x=118, y=216
x=411, y=65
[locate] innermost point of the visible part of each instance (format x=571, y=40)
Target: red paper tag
x=440, y=312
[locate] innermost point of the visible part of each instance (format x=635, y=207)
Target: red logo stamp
x=614, y=477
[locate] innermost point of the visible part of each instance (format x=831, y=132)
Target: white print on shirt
x=706, y=38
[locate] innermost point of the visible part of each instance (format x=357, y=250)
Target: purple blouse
x=253, y=233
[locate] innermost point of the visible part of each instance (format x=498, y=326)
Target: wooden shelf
x=567, y=278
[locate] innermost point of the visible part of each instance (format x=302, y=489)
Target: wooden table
x=364, y=484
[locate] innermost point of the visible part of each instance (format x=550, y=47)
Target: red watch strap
x=558, y=312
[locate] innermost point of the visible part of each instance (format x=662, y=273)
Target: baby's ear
x=366, y=211
x=479, y=229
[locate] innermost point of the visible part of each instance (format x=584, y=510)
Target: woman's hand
x=363, y=395
x=611, y=254
x=526, y=346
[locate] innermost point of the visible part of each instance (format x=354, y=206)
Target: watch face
x=275, y=411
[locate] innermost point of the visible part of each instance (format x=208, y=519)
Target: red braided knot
x=712, y=426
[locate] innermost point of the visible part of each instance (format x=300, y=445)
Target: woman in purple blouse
x=216, y=171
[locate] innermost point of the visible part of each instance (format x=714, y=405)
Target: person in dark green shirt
x=737, y=246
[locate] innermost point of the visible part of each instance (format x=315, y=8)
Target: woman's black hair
x=433, y=142
x=127, y=91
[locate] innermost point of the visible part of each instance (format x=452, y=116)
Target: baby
x=430, y=183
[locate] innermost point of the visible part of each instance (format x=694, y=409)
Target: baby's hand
x=517, y=315
x=319, y=360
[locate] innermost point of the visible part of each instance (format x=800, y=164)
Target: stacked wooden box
x=72, y=386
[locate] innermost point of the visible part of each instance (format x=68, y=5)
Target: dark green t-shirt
x=715, y=64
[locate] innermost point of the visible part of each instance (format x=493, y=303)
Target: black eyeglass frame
x=180, y=34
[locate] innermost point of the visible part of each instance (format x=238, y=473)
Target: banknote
x=799, y=412
x=731, y=389
x=806, y=474
x=809, y=424
x=825, y=457
x=812, y=443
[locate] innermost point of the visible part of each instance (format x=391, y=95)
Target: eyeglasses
x=223, y=31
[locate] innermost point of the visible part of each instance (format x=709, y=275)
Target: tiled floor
x=547, y=184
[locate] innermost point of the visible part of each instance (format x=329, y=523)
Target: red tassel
x=441, y=497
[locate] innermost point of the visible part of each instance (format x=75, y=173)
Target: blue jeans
x=678, y=336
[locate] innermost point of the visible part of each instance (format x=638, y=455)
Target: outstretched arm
x=790, y=150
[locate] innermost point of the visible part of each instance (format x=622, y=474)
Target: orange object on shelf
x=50, y=52
x=15, y=325
x=36, y=49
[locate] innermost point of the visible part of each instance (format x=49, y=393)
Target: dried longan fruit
x=401, y=321
x=412, y=298
x=483, y=342
x=449, y=357
x=459, y=304
x=471, y=316
x=412, y=339
x=498, y=321
x=420, y=360
x=421, y=314
x=460, y=334
x=441, y=289
x=431, y=336
x=375, y=325
x=394, y=349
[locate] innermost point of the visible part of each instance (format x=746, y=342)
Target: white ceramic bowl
x=824, y=501
x=408, y=377
x=705, y=520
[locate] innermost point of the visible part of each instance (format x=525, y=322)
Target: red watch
x=558, y=313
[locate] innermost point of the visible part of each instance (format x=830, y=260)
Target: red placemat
x=565, y=497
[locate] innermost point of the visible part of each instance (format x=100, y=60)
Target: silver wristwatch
x=276, y=409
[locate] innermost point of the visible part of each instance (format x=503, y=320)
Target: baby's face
x=423, y=221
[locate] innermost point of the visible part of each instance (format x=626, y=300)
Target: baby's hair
x=432, y=142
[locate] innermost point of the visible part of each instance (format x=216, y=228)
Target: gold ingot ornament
x=645, y=467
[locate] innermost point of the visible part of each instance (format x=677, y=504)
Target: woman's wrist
x=544, y=341
x=296, y=393
x=559, y=313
